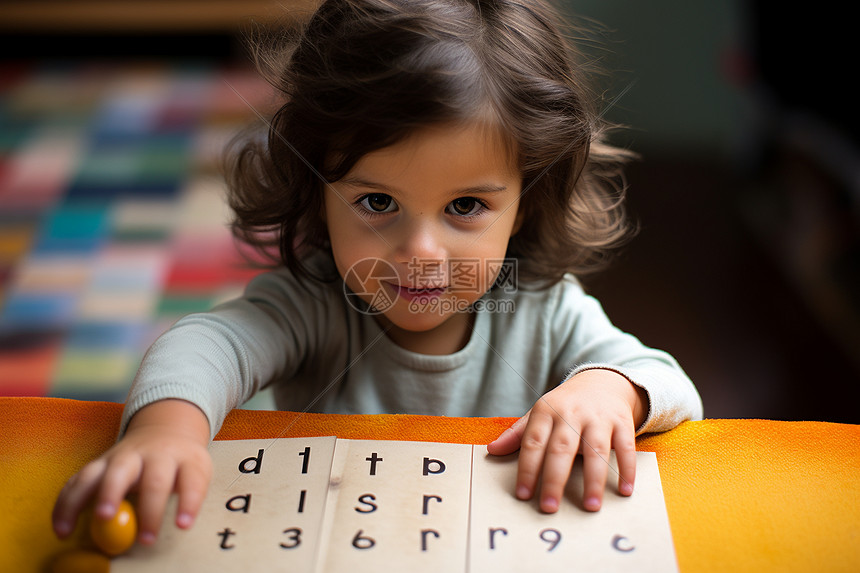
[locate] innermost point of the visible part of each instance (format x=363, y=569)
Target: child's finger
x=74, y=497
x=156, y=485
x=121, y=473
x=509, y=440
x=191, y=486
x=624, y=442
x=558, y=461
x=532, y=449
x=595, y=465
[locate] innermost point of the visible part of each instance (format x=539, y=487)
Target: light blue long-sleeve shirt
x=320, y=354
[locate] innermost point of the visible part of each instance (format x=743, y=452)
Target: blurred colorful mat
x=112, y=218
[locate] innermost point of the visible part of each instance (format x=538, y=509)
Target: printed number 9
x=551, y=536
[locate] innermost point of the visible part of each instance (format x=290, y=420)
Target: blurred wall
x=747, y=264
x=674, y=58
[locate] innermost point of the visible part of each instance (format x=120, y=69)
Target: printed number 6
x=362, y=542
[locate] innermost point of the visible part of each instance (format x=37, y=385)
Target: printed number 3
x=295, y=538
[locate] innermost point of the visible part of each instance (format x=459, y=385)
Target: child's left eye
x=465, y=207
x=377, y=203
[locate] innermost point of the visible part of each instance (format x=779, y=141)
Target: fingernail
x=591, y=503
x=523, y=492
x=626, y=488
x=184, y=520
x=105, y=510
x=63, y=528
x=549, y=504
x=147, y=538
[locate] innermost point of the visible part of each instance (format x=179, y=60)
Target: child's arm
x=164, y=450
x=191, y=377
x=590, y=413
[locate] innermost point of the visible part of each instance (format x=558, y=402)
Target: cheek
x=338, y=222
x=356, y=259
x=493, y=242
x=344, y=258
x=491, y=250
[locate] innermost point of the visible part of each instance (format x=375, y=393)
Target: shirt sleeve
x=589, y=340
x=218, y=359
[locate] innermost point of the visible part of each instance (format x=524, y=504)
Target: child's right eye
x=377, y=203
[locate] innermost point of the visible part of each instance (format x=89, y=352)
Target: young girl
x=432, y=182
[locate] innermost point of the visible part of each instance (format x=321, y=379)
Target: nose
x=420, y=241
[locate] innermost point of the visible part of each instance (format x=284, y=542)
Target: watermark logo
x=445, y=306
x=370, y=297
x=464, y=278
x=464, y=275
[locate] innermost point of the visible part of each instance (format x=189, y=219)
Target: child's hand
x=164, y=450
x=590, y=413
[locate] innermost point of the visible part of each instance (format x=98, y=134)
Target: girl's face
x=420, y=229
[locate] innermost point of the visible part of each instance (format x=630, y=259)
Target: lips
x=411, y=293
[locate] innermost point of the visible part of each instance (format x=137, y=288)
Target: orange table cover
x=742, y=495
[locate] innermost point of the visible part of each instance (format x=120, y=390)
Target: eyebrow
x=481, y=189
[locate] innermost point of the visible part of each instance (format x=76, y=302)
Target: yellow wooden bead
x=115, y=535
x=80, y=561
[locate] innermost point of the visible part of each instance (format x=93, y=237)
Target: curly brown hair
x=361, y=75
